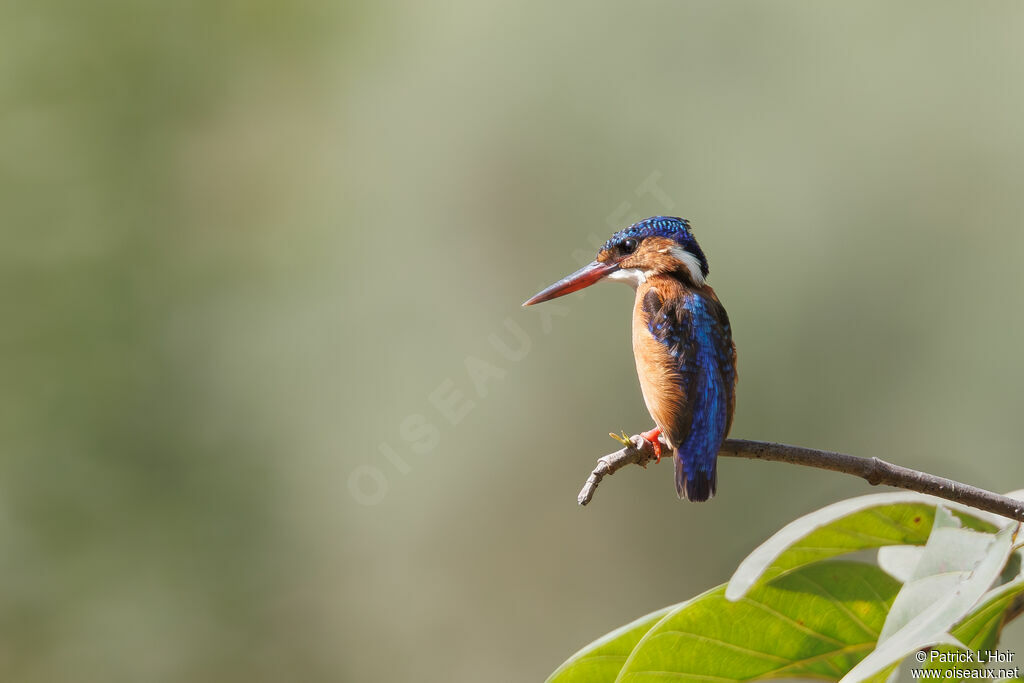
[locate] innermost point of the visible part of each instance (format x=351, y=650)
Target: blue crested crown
x=677, y=229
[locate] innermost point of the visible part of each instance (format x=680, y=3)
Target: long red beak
x=584, y=277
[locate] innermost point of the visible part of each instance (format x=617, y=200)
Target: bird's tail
x=697, y=486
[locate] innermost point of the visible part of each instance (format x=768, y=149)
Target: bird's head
x=656, y=245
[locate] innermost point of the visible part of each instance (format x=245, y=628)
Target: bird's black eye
x=629, y=246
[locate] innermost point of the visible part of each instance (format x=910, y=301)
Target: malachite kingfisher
x=682, y=342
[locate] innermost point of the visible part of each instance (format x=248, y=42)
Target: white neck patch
x=690, y=261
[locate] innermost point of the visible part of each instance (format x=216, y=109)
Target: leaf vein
x=841, y=607
x=791, y=621
x=849, y=649
x=885, y=519
x=719, y=641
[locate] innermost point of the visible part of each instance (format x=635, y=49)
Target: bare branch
x=639, y=454
x=872, y=470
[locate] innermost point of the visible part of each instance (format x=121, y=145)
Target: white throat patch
x=631, y=276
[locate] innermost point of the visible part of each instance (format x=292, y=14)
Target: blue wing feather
x=695, y=330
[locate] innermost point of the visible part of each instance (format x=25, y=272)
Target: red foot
x=652, y=438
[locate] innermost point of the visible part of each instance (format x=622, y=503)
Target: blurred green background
x=257, y=255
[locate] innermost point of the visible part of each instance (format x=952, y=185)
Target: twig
x=873, y=470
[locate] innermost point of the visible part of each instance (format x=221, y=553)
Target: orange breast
x=660, y=382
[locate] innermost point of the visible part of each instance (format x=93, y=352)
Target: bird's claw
x=651, y=437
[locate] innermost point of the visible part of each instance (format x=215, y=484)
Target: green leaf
x=980, y=630
x=801, y=617
x=603, y=659
x=866, y=522
x=949, y=556
x=1012, y=569
x=899, y=561
x=956, y=569
x=817, y=621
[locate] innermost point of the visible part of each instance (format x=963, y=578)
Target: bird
x=682, y=342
